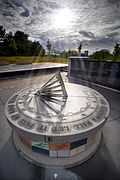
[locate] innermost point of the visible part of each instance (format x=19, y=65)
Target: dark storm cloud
x=113, y=35
x=7, y=4
x=7, y=14
x=87, y=34
x=96, y=24
x=115, y=3
x=117, y=27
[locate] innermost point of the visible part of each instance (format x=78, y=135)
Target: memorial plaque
x=52, y=153
x=26, y=144
x=59, y=146
x=73, y=152
x=26, y=139
x=90, y=138
x=81, y=148
x=63, y=153
x=40, y=150
x=78, y=143
x=42, y=145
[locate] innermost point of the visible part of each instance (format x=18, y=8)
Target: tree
x=79, y=48
x=42, y=52
x=2, y=36
x=101, y=55
x=23, y=44
x=49, y=46
x=12, y=47
x=116, y=52
x=8, y=45
x=2, y=33
x=18, y=44
x=37, y=49
x=63, y=54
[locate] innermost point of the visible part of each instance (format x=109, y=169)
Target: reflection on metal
x=53, y=94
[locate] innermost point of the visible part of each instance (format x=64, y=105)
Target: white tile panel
x=53, y=153
x=73, y=152
x=81, y=148
x=63, y=153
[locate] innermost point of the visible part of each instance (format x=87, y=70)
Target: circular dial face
x=83, y=109
x=77, y=106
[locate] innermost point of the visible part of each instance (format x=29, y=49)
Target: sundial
x=57, y=112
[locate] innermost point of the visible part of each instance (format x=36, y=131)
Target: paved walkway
x=104, y=165
x=14, y=67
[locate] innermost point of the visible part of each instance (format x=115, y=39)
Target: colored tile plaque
x=73, y=152
x=90, y=138
x=78, y=143
x=63, y=153
x=81, y=148
x=40, y=150
x=41, y=145
x=59, y=146
x=26, y=139
x=53, y=153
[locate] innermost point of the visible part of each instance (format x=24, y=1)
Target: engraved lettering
x=42, y=128
x=60, y=129
x=11, y=109
x=103, y=102
x=13, y=99
x=27, y=124
x=82, y=125
x=15, y=117
x=100, y=114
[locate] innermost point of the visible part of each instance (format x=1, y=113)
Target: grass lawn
x=35, y=59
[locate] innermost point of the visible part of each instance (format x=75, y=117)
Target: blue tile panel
x=78, y=143
x=40, y=150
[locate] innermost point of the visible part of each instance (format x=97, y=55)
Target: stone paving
x=13, y=82
x=104, y=165
x=14, y=67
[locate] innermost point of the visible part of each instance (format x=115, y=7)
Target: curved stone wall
x=101, y=72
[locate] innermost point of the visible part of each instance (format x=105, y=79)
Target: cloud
x=25, y=13
x=87, y=34
x=96, y=23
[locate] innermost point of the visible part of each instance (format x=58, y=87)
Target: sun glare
x=63, y=18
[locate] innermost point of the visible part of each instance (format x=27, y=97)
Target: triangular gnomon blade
x=53, y=91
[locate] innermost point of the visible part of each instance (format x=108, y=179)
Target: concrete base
x=43, y=160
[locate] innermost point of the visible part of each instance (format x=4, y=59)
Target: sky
x=66, y=23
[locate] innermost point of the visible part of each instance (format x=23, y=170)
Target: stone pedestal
x=57, y=124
